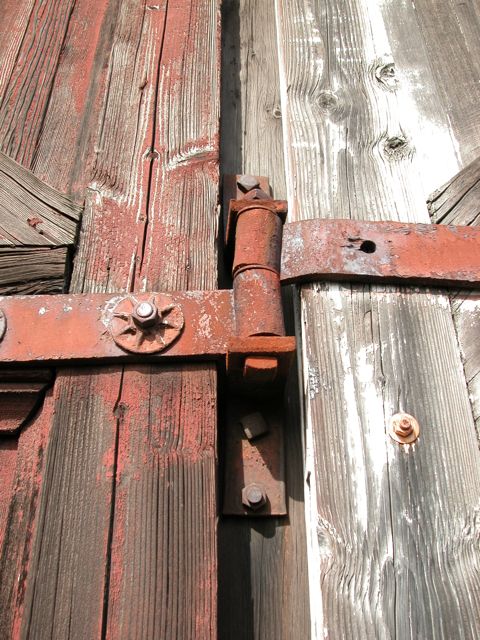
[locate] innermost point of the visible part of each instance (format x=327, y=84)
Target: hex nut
x=145, y=314
x=247, y=182
x=404, y=428
x=254, y=425
x=254, y=496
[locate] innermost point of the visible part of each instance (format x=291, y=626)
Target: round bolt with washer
x=404, y=428
x=254, y=496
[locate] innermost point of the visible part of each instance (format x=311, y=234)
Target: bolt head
x=145, y=314
x=404, y=428
x=247, y=182
x=254, y=496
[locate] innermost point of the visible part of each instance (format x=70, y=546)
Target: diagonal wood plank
x=31, y=212
x=392, y=532
x=456, y=203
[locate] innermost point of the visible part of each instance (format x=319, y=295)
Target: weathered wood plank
x=147, y=163
x=163, y=564
x=175, y=248
x=263, y=589
x=28, y=270
x=31, y=212
x=25, y=98
x=15, y=16
x=450, y=33
x=394, y=532
x=49, y=84
x=30, y=94
x=21, y=515
x=65, y=583
x=455, y=203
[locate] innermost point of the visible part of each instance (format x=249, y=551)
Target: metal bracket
x=259, y=357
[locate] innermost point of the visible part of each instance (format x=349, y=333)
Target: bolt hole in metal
x=368, y=246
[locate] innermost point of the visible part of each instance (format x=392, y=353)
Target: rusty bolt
x=254, y=496
x=247, y=182
x=3, y=324
x=145, y=314
x=254, y=425
x=404, y=428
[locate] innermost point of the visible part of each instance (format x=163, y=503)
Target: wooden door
x=110, y=521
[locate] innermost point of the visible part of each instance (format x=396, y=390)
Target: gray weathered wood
x=262, y=563
x=393, y=531
x=457, y=203
x=37, y=225
x=28, y=270
x=32, y=212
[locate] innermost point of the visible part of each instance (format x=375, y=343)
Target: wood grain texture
x=154, y=184
x=450, y=33
x=31, y=212
x=50, y=93
x=393, y=531
x=20, y=513
x=263, y=589
x=33, y=82
x=163, y=565
x=25, y=98
x=456, y=203
x=49, y=83
x=451, y=36
x=36, y=38
x=29, y=270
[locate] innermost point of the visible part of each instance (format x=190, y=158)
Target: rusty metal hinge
x=244, y=325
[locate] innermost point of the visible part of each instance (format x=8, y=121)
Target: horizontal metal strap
x=390, y=252
x=74, y=328
x=200, y=324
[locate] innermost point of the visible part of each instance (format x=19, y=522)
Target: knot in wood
x=385, y=73
x=328, y=101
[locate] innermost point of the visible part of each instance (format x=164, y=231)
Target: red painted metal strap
x=98, y=328
x=350, y=250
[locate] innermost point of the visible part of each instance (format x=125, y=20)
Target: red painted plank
x=24, y=474
x=85, y=570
